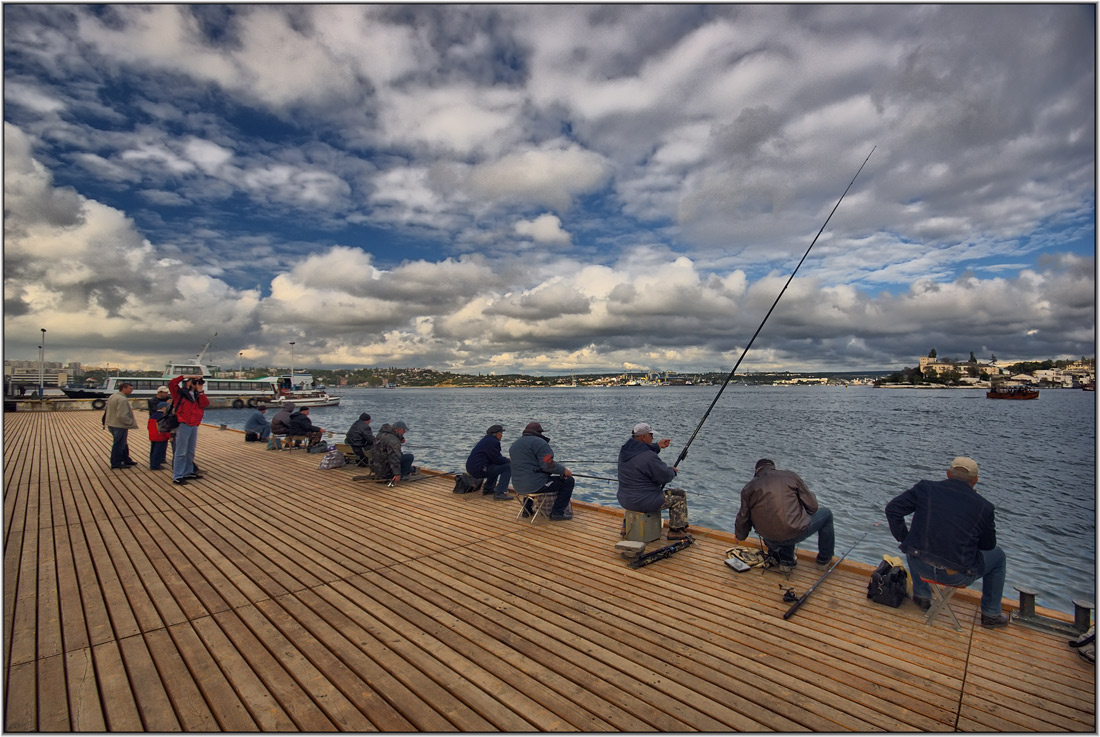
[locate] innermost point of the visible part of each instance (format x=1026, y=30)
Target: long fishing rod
x=794, y=607
x=683, y=453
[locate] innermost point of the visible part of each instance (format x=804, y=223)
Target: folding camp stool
x=941, y=598
x=541, y=502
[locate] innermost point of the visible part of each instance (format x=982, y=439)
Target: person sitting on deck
x=360, y=438
x=784, y=512
x=642, y=480
x=388, y=462
x=953, y=539
x=487, y=462
x=280, y=423
x=257, y=425
x=302, y=426
x=534, y=471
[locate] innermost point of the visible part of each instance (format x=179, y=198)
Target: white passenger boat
x=241, y=392
x=299, y=389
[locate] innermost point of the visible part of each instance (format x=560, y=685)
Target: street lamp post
x=42, y=366
x=240, y=362
x=292, y=365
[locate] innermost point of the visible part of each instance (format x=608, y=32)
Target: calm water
x=855, y=447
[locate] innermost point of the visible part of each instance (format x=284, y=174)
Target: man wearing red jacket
x=190, y=401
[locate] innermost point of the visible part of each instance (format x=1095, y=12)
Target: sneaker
x=501, y=498
x=559, y=517
x=127, y=464
x=995, y=620
x=193, y=476
x=922, y=602
x=678, y=534
x=179, y=482
x=823, y=561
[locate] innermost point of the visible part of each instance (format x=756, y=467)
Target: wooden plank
x=369, y=658
x=153, y=704
x=86, y=711
x=228, y=686
x=186, y=698
x=53, y=705
x=119, y=704
x=21, y=698
x=290, y=695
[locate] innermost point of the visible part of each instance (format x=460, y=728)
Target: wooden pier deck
x=275, y=596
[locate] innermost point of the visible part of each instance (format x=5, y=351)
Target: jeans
x=183, y=455
x=821, y=522
x=120, y=447
x=406, y=464
x=158, y=452
x=994, y=568
x=497, y=478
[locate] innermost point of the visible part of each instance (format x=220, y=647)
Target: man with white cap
x=642, y=480
x=953, y=538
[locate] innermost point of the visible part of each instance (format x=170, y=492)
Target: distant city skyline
x=551, y=187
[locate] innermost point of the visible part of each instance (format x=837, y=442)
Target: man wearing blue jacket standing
x=487, y=462
x=534, y=471
x=642, y=480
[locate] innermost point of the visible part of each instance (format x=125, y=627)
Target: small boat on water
x=82, y=393
x=299, y=389
x=1012, y=391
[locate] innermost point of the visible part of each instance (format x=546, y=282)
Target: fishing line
x=683, y=453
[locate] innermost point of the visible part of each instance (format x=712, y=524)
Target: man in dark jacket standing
x=487, y=462
x=534, y=471
x=361, y=438
x=642, y=479
x=785, y=512
x=953, y=539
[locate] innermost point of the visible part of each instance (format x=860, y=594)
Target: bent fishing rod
x=684, y=452
x=799, y=602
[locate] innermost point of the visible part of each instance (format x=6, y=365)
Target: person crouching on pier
x=388, y=462
x=785, y=512
x=642, y=480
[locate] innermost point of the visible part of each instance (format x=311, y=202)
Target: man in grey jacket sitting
x=534, y=471
x=785, y=512
x=642, y=480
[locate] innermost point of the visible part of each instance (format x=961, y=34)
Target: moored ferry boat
x=239, y=392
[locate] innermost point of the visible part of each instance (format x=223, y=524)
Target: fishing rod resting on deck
x=683, y=453
x=801, y=599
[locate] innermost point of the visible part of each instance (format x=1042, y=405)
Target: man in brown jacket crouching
x=784, y=512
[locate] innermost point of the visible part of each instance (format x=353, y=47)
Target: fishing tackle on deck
x=661, y=553
x=683, y=453
x=799, y=602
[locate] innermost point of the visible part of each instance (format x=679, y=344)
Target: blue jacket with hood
x=642, y=476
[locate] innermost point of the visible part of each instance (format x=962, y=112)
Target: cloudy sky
x=548, y=188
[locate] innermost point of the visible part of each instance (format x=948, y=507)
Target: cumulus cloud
x=561, y=186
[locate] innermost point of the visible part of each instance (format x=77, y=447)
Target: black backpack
x=465, y=483
x=888, y=584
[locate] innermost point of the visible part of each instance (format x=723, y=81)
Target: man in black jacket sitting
x=953, y=539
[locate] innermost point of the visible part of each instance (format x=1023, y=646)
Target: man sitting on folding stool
x=953, y=539
x=642, y=479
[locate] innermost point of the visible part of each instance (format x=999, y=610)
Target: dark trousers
x=120, y=447
x=563, y=487
x=158, y=452
x=362, y=451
